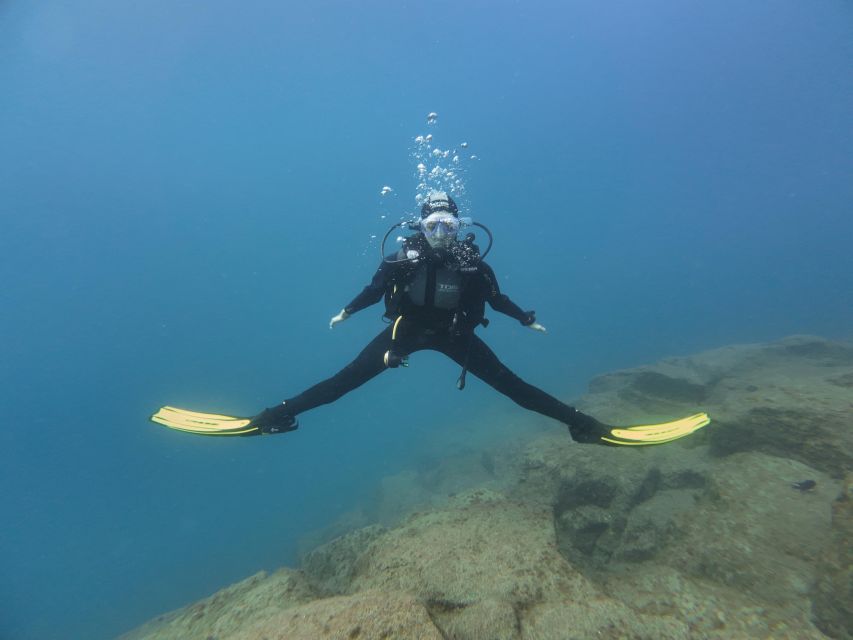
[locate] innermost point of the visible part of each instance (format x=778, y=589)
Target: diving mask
x=440, y=229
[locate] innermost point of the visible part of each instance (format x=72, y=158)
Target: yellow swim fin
x=207, y=424
x=649, y=434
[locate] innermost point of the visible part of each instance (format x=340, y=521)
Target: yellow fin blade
x=211, y=424
x=657, y=433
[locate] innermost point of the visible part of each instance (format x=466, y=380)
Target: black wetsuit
x=436, y=303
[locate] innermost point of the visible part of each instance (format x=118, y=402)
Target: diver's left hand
x=343, y=315
x=537, y=327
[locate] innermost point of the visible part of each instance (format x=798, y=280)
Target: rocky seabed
x=538, y=538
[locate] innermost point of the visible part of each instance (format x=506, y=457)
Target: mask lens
x=446, y=225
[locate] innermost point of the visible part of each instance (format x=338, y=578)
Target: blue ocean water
x=188, y=192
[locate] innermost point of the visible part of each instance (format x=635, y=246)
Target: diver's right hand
x=343, y=315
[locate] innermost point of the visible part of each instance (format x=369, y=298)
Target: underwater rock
x=832, y=599
x=845, y=380
x=331, y=567
x=601, y=618
x=789, y=398
x=400, y=494
x=437, y=478
x=488, y=567
x=711, y=611
x=702, y=538
x=258, y=597
x=653, y=524
x=364, y=616
x=752, y=532
x=419, y=488
x=482, y=547
x=353, y=520
x=612, y=505
x=492, y=619
x=733, y=522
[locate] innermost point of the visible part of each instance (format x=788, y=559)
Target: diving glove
x=343, y=315
x=529, y=321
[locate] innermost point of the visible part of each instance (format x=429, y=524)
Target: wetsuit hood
x=439, y=201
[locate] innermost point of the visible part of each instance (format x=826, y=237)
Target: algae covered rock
x=440, y=475
x=711, y=611
x=363, y=616
x=488, y=566
x=610, y=504
x=494, y=619
x=225, y=612
x=755, y=532
x=723, y=527
x=735, y=532
x=599, y=618
x=483, y=547
x=833, y=594
x=331, y=567
x=789, y=398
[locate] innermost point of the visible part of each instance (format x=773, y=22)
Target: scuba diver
x=435, y=289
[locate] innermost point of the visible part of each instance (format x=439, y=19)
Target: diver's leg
x=367, y=364
x=484, y=364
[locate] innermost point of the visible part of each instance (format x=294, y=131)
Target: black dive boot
x=586, y=429
x=276, y=419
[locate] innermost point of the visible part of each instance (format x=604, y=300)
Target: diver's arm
x=501, y=302
x=373, y=292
